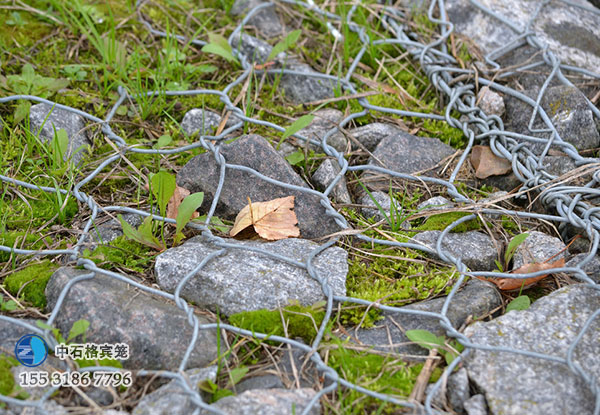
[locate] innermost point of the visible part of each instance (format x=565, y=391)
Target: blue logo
x=31, y=350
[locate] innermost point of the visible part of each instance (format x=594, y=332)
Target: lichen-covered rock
x=225, y=282
x=201, y=174
x=515, y=384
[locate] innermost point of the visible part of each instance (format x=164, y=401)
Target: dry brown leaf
x=487, y=164
x=173, y=206
x=274, y=219
x=512, y=284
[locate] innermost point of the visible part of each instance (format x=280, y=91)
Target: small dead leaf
x=511, y=284
x=272, y=220
x=173, y=205
x=487, y=164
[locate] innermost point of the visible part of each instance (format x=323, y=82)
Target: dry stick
x=418, y=392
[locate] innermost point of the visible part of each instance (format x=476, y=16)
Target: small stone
x=172, y=398
x=490, y=102
x=325, y=120
x=371, y=209
x=204, y=122
x=435, y=203
x=43, y=124
x=475, y=249
x=476, y=405
x=537, y=248
x=202, y=173
x=476, y=299
x=592, y=268
x=268, y=402
x=408, y=154
x=458, y=390
x=224, y=282
x=515, y=384
x=325, y=174
x=266, y=20
x=157, y=333
x=259, y=382
x=371, y=134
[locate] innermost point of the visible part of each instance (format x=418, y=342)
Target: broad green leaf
x=163, y=141
x=21, y=111
x=522, y=302
x=219, y=46
x=205, y=68
x=296, y=126
x=289, y=41
x=27, y=74
x=218, y=40
x=8, y=305
x=187, y=209
x=54, y=331
x=221, y=393
x=78, y=328
x=425, y=338
x=236, y=374
x=163, y=187
x=295, y=158
x=142, y=235
x=207, y=385
x=215, y=222
x=513, y=245
x=60, y=145
x=122, y=110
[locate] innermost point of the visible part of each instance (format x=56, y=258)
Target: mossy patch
x=122, y=252
x=7, y=381
x=31, y=282
x=40, y=210
x=21, y=240
x=443, y=220
x=300, y=321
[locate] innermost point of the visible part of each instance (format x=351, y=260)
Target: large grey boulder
x=201, y=174
x=45, y=120
x=243, y=280
x=268, y=402
x=515, y=384
x=158, y=333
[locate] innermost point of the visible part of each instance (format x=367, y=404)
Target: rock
x=592, y=268
x=325, y=174
x=571, y=33
x=201, y=174
x=559, y=165
x=266, y=20
x=204, y=122
x=158, y=333
x=43, y=124
x=568, y=110
x=325, y=120
x=538, y=247
x=405, y=153
x=476, y=405
x=435, y=203
x=172, y=398
x=285, y=149
x=371, y=209
x=371, y=134
x=259, y=382
x=268, y=402
x=490, y=102
x=457, y=391
x=475, y=249
x=515, y=384
x=107, y=232
x=476, y=299
x=299, y=89
x=225, y=282
x=102, y=396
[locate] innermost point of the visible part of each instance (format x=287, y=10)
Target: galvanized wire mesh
x=571, y=203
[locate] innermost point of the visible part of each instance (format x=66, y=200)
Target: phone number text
x=69, y=379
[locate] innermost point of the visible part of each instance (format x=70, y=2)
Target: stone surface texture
x=325, y=174
x=325, y=120
x=475, y=249
x=571, y=33
x=171, y=398
x=225, y=283
x=268, y=402
x=515, y=384
x=371, y=134
x=201, y=174
x=157, y=333
x=538, y=247
x=490, y=102
x=266, y=20
x=43, y=124
x=476, y=405
x=435, y=203
x=476, y=299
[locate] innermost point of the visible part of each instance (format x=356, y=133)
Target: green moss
x=22, y=240
x=391, y=276
x=300, y=321
x=375, y=372
x=33, y=280
x=446, y=133
x=443, y=220
x=122, y=252
x=7, y=381
x=39, y=211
